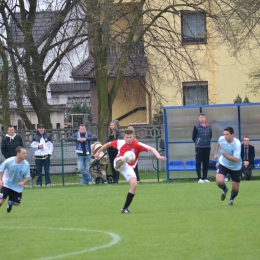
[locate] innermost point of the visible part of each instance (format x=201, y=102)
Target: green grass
x=176, y=220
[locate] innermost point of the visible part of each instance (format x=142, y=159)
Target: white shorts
x=125, y=169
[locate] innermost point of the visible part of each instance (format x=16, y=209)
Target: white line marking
x=115, y=239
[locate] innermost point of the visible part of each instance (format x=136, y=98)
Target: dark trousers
x=202, y=156
x=112, y=153
x=247, y=171
x=46, y=165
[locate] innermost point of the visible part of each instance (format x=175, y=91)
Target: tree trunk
x=4, y=89
x=104, y=111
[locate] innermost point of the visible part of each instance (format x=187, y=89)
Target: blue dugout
x=180, y=120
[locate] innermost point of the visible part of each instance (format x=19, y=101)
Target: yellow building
x=204, y=70
x=187, y=64
x=201, y=69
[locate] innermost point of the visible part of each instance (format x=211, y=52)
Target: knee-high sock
x=223, y=187
x=233, y=195
x=129, y=199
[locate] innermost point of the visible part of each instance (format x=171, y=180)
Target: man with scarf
x=83, y=138
x=201, y=136
x=10, y=142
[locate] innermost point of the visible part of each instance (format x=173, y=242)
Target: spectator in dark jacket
x=83, y=149
x=247, y=156
x=113, y=134
x=201, y=136
x=10, y=142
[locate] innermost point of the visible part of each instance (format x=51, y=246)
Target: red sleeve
x=114, y=144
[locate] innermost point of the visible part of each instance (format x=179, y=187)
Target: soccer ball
x=129, y=156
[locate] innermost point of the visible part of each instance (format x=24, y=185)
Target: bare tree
x=127, y=24
x=44, y=39
x=238, y=23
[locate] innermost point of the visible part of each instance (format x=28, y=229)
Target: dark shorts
x=13, y=195
x=235, y=175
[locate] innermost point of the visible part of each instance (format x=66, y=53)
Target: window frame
x=195, y=39
x=195, y=84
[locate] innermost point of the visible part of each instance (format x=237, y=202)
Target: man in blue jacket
x=82, y=139
x=201, y=136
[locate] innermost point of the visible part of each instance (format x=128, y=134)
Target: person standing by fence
x=43, y=148
x=113, y=134
x=82, y=139
x=10, y=142
x=201, y=136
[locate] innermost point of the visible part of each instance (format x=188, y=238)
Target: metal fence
x=63, y=168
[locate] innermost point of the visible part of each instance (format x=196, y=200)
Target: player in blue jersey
x=14, y=173
x=229, y=162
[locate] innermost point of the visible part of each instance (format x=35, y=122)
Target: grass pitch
x=169, y=221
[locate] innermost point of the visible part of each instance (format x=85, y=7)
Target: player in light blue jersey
x=14, y=173
x=229, y=162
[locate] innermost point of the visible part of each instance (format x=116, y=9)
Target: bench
x=190, y=165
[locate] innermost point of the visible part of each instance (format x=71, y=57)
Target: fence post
x=157, y=161
x=62, y=162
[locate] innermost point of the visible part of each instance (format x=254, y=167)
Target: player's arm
x=216, y=151
x=21, y=184
x=1, y=179
x=236, y=154
x=102, y=148
x=156, y=154
x=229, y=157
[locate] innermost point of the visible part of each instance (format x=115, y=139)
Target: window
x=195, y=93
x=78, y=99
x=193, y=27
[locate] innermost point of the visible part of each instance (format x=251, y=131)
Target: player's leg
x=4, y=192
x=220, y=180
x=119, y=162
x=130, y=176
x=235, y=176
x=15, y=199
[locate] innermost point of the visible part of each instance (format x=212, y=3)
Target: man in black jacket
x=247, y=156
x=10, y=142
x=201, y=136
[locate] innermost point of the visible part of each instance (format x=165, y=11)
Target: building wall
x=226, y=75
x=130, y=95
x=57, y=117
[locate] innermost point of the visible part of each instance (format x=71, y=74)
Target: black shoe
x=126, y=211
x=231, y=202
x=9, y=208
x=223, y=195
